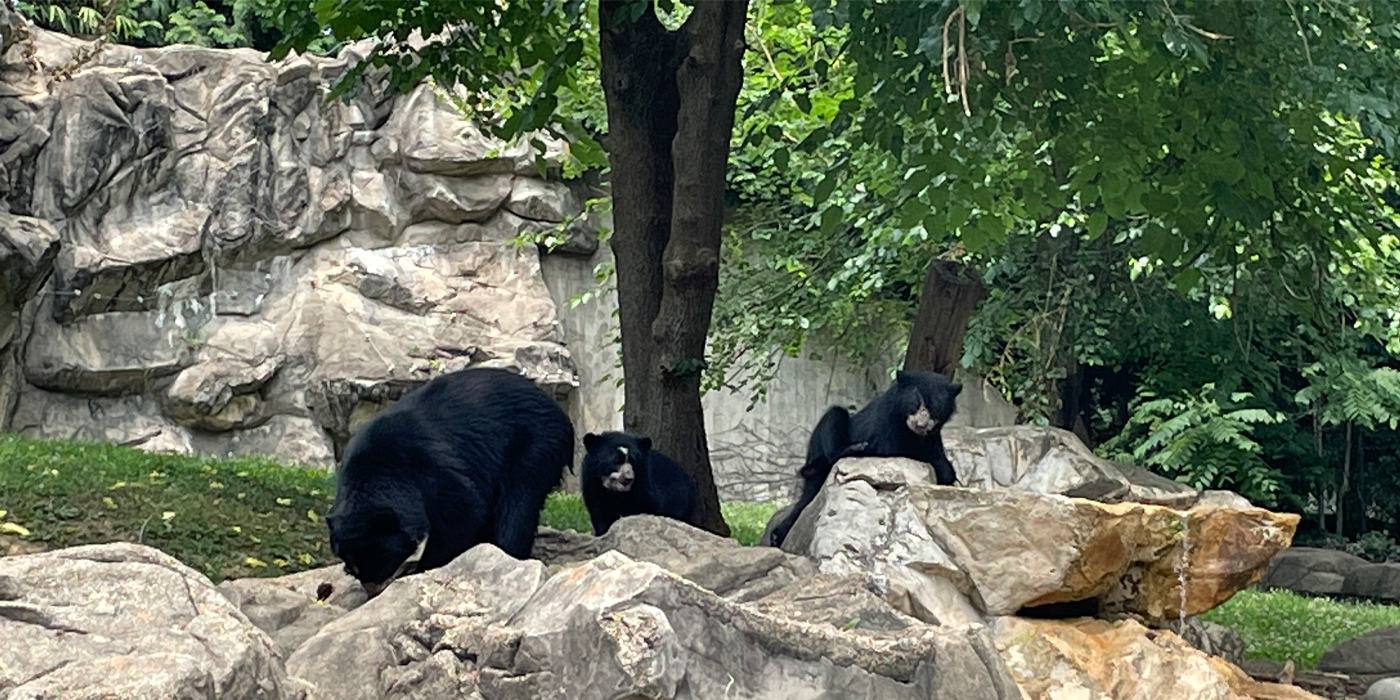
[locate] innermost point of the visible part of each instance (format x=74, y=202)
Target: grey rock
x=389, y=647
x=718, y=564
x=1374, y=652
x=1046, y=460
x=1376, y=581
x=220, y=395
x=1212, y=638
x=1310, y=570
x=126, y=621
x=538, y=200
x=1383, y=689
x=669, y=638
x=287, y=607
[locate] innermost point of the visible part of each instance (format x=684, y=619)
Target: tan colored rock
x=1096, y=659
x=949, y=551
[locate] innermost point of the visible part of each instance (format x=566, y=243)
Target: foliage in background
x=211, y=23
x=1201, y=439
x=1377, y=546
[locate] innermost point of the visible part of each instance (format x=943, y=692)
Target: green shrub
x=1282, y=625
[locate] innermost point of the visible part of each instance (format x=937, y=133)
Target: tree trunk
x=950, y=295
x=671, y=98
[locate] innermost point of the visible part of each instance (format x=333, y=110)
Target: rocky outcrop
x=125, y=621
x=653, y=609
x=1046, y=460
x=963, y=554
x=200, y=253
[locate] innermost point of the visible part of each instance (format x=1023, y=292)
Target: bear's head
x=615, y=459
x=924, y=400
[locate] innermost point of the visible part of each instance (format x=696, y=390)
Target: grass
x=227, y=518
x=1282, y=625
x=565, y=511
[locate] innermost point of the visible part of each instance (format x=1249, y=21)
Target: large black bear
x=905, y=421
x=623, y=476
x=467, y=458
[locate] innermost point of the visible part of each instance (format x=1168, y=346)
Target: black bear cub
x=467, y=458
x=623, y=476
x=905, y=421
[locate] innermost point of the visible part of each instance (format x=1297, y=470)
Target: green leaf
x=825, y=188
x=1186, y=280
x=1098, y=221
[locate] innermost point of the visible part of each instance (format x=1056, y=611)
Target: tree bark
x=671, y=98
x=950, y=295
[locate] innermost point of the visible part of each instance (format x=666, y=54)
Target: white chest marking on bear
x=417, y=553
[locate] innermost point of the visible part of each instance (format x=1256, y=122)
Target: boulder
x=1375, y=581
x=1046, y=460
x=1383, y=689
x=615, y=627
x=1373, y=653
x=718, y=564
x=126, y=621
x=1310, y=570
x=1053, y=659
x=1212, y=638
x=291, y=608
x=1004, y=550
x=220, y=394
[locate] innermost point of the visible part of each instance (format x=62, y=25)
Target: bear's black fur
x=467, y=458
x=623, y=476
x=905, y=421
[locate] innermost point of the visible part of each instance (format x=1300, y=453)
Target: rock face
x=959, y=554
x=126, y=621
x=615, y=627
x=198, y=253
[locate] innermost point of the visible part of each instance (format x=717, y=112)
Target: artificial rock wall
x=198, y=253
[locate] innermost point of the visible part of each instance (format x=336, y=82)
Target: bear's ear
x=644, y=443
x=590, y=441
x=900, y=376
x=954, y=389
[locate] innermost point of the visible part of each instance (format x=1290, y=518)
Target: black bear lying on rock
x=905, y=421
x=623, y=476
x=467, y=458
